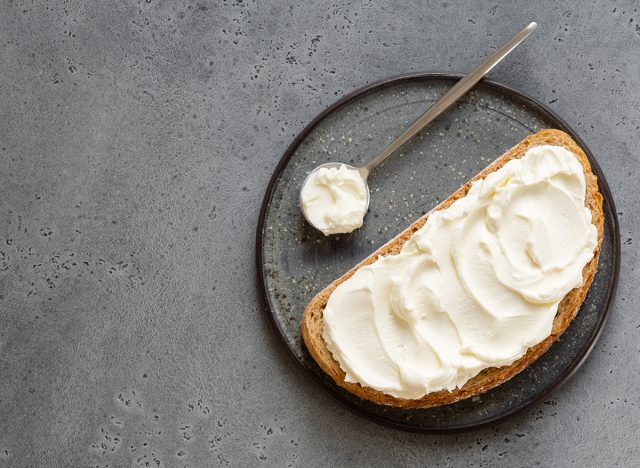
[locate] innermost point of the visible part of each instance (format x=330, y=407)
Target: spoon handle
x=451, y=96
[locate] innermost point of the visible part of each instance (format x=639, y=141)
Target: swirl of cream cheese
x=474, y=288
x=334, y=199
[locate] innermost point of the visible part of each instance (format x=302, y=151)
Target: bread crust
x=312, y=324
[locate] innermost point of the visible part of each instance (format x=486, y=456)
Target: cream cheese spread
x=474, y=288
x=335, y=199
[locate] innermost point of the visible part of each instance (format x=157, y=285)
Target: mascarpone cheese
x=474, y=288
x=335, y=199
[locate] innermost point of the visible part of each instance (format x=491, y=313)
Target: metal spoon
x=447, y=100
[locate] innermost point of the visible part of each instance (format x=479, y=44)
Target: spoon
x=447, y=100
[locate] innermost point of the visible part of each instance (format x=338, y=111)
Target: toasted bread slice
x=312, y=323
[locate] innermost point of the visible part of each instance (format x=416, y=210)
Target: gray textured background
x=136, y=141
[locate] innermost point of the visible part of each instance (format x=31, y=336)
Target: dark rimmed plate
x=295, y=262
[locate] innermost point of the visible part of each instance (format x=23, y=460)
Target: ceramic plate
x=295, y=261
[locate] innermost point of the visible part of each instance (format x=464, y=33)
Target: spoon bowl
x=364, y=174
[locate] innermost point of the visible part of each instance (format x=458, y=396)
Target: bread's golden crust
x=312, y=323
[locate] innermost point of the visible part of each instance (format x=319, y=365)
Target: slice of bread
x=312, y=323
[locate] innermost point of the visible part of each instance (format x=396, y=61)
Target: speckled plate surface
x=295, y=261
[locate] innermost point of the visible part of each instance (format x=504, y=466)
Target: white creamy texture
x=474, y=288
x=334, y=199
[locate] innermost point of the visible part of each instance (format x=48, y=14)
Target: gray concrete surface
x=136, y=141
